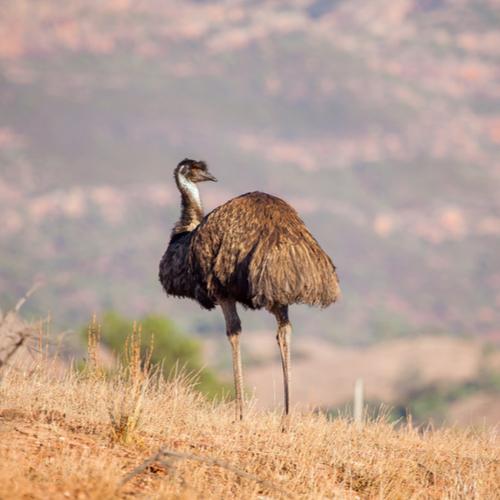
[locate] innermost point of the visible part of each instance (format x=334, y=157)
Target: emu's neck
x=191, y=209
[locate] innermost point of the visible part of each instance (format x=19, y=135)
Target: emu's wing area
x=257, y=250
x=176, y=274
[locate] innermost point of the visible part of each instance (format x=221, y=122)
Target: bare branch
x=142, y=467
x=13, y=348
x=21, y=331
x=28, y=294
x=163, y=452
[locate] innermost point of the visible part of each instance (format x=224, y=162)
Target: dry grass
x=57, y=440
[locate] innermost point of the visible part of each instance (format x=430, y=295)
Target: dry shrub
x=132, y=382
x=18, y=337
x=93, y=366
x=56, y=430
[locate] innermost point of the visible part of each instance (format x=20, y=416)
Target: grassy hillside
x=379, y=122
x=60, y=438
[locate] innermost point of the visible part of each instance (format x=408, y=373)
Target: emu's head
x=193, y=171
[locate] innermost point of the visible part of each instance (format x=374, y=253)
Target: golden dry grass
x=57, y=441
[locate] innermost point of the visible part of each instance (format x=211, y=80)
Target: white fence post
x=358, y=402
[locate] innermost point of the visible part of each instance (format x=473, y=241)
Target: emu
x=253, y=250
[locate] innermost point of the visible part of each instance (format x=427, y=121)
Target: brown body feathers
x=255, y=250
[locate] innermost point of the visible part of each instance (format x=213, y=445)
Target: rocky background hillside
x=379, y=121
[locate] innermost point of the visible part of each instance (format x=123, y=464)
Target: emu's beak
x=207, y=176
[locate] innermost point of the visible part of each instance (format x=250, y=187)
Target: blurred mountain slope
x=379, y=121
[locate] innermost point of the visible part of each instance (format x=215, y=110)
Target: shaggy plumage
x=254, y=250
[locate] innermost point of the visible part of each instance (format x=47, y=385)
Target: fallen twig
x=163, y=453
x=142, y=467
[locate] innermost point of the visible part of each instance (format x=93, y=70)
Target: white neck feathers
x=190, y=189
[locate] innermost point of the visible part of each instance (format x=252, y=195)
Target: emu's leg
x=283, y=338
x=233, y=330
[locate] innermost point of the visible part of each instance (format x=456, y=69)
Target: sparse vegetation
x=98, y=433
x=57, y=431
x=155, y=340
